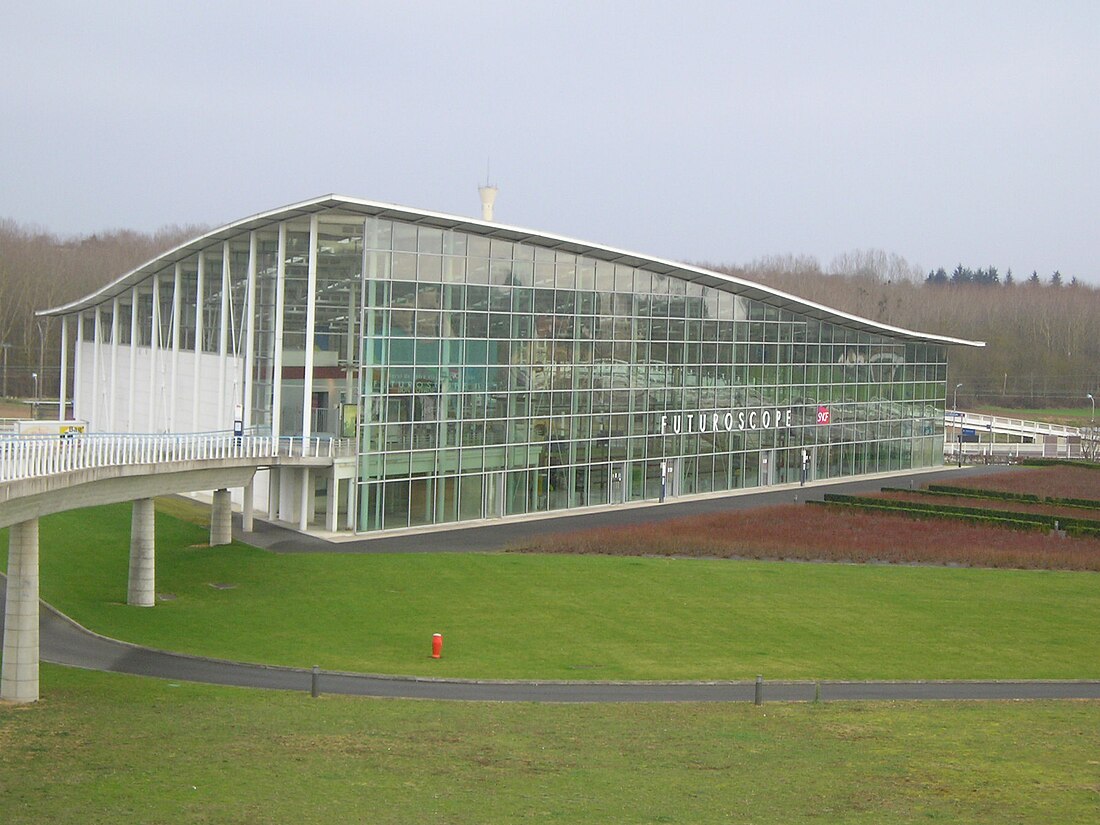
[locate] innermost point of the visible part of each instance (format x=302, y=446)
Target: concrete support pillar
x=141, y=590
x=19, y=675
x=351, y=504
x=221, y=519
x=332, y=506
x=247, y=506
x=307, y=500
x=274, y=506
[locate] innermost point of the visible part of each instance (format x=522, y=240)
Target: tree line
x=989, y=276
x=1042, y=345
x=40, y=270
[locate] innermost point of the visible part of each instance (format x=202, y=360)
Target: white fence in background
x=23, y=457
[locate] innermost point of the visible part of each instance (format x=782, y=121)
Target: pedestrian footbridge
x=44, y=475
x=970, y=435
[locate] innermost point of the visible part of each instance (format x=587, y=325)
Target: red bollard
x=437, y=645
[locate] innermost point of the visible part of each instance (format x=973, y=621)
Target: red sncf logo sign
x=822, y=415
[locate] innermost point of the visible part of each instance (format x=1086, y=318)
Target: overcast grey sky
x=944, y=132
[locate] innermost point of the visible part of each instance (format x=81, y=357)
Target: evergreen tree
x=937, y=277
x=962, y=275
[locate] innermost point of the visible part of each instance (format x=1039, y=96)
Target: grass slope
x=106, y=748
x=562, y=617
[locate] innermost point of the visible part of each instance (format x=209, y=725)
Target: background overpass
x=1018, y=437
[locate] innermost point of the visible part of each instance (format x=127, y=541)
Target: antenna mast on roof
x=488, y=194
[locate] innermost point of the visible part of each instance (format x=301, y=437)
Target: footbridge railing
x=23, y=457
x=1007, y=426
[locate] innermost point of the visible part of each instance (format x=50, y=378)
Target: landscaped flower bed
x=815, y=533
x=799, y=532
x=1059, y=481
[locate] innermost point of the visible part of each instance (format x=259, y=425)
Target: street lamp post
x=1093, y=400
x=958, y=426
x=4, y=347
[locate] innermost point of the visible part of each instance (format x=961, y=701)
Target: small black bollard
x=759, y=698
x=313, y=690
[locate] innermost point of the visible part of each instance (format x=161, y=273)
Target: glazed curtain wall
x=486, y=378
x=500, y=378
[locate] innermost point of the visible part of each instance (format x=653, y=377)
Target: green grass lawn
x=566, y=617
x=104, y=748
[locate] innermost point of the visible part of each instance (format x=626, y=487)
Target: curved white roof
x=750, y=289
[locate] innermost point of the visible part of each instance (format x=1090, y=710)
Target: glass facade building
x=484, y=371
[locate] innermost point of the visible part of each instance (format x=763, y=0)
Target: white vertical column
x=332, y=502
x=311, y=315
x=134, y=298
x=79, y=409
x=353, y=484
x=305, y=510
x=141, y=587
x=223, y=339
x=97, y=336
x=177, y=312
x=247, y=505
x=274, y=493
x=249, y=330
x=277, y=359
x=19, y=674
x=63, y=380
x=112, y=385
x=156, y=382
x=196, y=379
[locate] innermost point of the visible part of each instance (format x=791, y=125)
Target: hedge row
x=976, y=493
x=971, y=492
x=987, y=521
x=973, y=515
x=946, y=509
x=1059, y=462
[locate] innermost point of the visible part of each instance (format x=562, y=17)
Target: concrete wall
x=106, y=405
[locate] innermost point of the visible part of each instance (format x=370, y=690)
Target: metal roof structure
x=692, y=274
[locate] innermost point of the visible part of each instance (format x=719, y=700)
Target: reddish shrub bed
x=812, y=533
x=1046, y=482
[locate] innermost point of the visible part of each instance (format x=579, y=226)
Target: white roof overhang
x=718, y=280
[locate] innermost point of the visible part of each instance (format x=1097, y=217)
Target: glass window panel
x=429, y=239
x=404, y=237
x=454, y=243
x=404, y=266
x=429, y=268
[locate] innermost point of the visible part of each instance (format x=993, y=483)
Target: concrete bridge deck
x=42, y=475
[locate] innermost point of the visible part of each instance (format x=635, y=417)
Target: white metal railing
x=23, y=457
x=1010, y=426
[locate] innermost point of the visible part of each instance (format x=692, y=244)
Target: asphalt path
x=66, y=643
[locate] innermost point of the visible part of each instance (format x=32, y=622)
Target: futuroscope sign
x=733, y=420
x=728, y=421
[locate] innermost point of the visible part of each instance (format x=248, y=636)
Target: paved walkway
x=66, y=643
